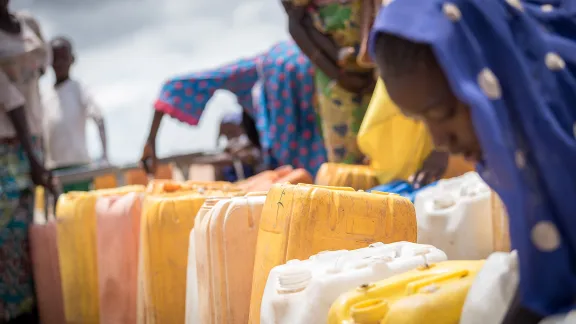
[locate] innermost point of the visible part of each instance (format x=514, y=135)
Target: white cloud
x=126, y=49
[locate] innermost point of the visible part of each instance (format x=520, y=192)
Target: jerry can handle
x=414, y=287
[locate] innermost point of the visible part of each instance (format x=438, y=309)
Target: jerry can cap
x=369, y=311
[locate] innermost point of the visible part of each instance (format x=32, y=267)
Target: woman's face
x=424, y=94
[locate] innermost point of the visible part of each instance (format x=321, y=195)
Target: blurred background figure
x=68, y=105
x=237, y=144
x=23, y=59
x=278, y=115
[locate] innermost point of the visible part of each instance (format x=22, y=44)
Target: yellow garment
x=396, y=145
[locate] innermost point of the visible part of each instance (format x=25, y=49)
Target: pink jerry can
x=117, y=239
x=45, y=265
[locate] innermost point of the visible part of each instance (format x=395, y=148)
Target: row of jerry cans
x=394, y=283
x=113, y=251
x=296, y=222
x=236, y=242
x=292, y=222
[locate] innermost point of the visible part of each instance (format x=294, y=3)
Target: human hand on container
x=42, y=177
x=432, y=169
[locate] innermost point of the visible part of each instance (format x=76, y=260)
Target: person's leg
x=341, y=114
x=16, y=210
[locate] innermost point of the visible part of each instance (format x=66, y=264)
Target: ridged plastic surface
x=45, y=265
x=492, y=291
x=359, y=177
x=288, y=300
x=224, y=244
x=167, y=220
x=118, y=240
x=76, y=228
x=299, y=221
x=431, y=295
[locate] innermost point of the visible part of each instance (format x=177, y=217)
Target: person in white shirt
x=67, y=108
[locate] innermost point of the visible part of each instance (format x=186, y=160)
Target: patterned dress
x=21, y=58
x=341, y=112
x=283, y=106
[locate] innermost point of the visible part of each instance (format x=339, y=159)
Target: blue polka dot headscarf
x=514, y=63
x=283, y=107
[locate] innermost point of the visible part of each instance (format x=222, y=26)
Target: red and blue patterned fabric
x=282, y=106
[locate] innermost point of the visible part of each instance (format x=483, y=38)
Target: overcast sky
x=126, y=48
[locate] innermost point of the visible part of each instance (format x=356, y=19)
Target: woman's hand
x=42, y=177
x=356, y=82
x=149, y=161
x=433, y=168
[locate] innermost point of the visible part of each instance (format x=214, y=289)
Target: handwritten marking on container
x=278, y=205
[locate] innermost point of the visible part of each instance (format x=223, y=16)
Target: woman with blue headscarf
x=280, y=110
x=495, y=81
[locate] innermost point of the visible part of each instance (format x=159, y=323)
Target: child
x=240, y=146
x=67, y=108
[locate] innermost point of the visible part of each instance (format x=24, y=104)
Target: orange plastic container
x=500, y=224
x=107, y=181
x=45, y=266
x=264, y=180
x=225, y=249
x=359, y=177
x=299, y=221
x=166, y=222
x=76, y=228
x=168, y=186
x=139, y=177
x=296, y=176
x=118, y=239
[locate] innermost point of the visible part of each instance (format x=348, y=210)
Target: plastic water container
x=165, y=226
x=360, y=177
x=433, y=295
x=456, y=217
x=492, y=291
x=76, y=237
x=303, y=291
x=224, y=244
x=299, y=221
x=45, y=266
x=118, y=240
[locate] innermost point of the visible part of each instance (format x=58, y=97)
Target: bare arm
x=156, y=121
x=102, y=132
x=94, y=112
x=321, y=51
